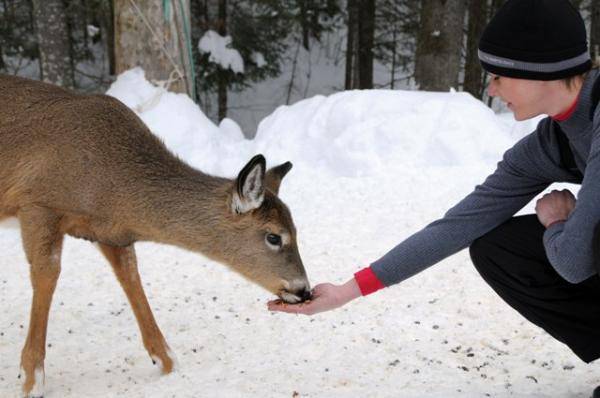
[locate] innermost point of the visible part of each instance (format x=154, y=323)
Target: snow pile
x=353, y=133
x=182, y=126
x=357, y=133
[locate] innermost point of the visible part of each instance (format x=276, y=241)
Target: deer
x=86, y=166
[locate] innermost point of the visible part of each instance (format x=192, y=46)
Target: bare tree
x=478, y=15
x=351, y=80
x=439, y=44
x=56, y=65
x=155, y=38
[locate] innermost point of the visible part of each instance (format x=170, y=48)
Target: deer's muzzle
x=295, y=292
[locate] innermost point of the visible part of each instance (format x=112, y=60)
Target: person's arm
x=525, y=170
x=572, y=245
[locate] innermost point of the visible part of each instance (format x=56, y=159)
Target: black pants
x=512, y=260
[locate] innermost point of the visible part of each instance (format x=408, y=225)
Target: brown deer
x=87, y=166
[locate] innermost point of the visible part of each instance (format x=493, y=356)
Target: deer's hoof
x=35, y=387
x=167, y=364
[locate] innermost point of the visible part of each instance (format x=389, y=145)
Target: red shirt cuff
x=367, y=281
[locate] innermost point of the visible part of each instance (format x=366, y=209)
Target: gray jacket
x=526, y=169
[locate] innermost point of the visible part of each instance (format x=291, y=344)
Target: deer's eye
x=273, y=240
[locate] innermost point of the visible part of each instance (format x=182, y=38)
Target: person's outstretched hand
x=325, y=297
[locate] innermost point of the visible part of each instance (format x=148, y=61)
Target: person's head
x=535, y=52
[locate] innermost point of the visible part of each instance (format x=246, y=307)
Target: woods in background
x=426, y=44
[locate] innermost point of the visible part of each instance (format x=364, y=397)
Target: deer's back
x=83, y=152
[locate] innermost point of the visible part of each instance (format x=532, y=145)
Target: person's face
x=525, y=98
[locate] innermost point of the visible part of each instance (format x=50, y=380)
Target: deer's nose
x=305, y=294
x=295, y=291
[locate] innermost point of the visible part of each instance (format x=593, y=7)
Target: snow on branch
x=220, y=52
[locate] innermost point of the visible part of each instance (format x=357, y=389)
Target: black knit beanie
x=536, y=40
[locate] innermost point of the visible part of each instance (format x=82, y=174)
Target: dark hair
x=570, y=81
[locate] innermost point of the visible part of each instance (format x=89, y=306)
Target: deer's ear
x=249, y=190
x=275, y=175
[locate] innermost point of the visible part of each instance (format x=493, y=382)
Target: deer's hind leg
x=124, y=264
x=42, y=241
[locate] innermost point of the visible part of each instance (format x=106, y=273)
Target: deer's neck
x=185, y=211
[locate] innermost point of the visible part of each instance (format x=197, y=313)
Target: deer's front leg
x=124, y=263
x=42, y=242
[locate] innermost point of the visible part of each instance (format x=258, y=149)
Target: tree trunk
x=71, y=17
x=53, y=41
x=366, y=34
x=304, y=23
x=206, y=15
x=182, y=20
x=595, y=31
x=85, y=21
x=145, y=37
x=2, y=64
x=199, y=25
x=439, y=43
x=108, y=35
x=222, y=90
x=351, y=44
x=473, y=74
x=394, y=51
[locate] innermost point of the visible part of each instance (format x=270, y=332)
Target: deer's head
x=264, y=249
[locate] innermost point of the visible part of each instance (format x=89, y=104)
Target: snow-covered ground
x=370, y=168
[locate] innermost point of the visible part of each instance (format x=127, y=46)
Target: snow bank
x=352, y=133
x=358, y=133
x=179, y=122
